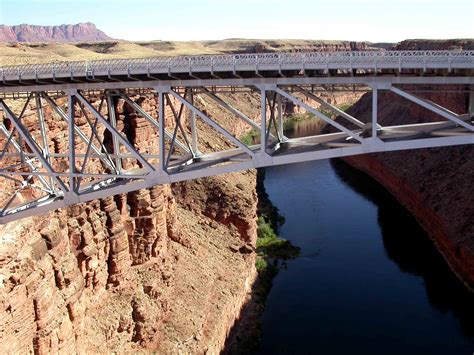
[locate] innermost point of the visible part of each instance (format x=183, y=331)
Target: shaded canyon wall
x=435, y=184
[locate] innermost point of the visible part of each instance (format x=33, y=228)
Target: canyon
x=169, y=269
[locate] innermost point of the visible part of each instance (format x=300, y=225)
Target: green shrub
x=265, y=230
x=290, y=122
x=252, y=137
x=261, y=264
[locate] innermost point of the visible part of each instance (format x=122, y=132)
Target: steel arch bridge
x=39, y=176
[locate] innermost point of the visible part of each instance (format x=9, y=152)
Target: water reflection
x=305, y=128
x=409, y=247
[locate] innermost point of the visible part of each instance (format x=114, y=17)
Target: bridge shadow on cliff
x=408, y=246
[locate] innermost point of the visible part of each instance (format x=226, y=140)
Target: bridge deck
x=267, y=65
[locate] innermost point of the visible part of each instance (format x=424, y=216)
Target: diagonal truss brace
x=43, y=131
x=212, y=123
x=272, y=102
x=189, y=95
x=31, y=143
x=115, y=142
x=179, y=126
x=16, y=146
x=317, y=114
x=47, y=187
x=78, y=131
x=230, y=108
x=433, y=108
x=107, y=124
x=95, y=134
x=150, y=119
x=20, y=143
x=333, y=108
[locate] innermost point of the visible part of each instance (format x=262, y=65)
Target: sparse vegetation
x=290, y=122
x=345, y=107
x=270, y=247
x=272, y=251
x=252, y=137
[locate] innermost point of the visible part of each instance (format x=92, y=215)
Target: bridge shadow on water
x=411, y=249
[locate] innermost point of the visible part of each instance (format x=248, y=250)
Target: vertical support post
x=113, y=122
x=72, y=148
x=20, y=144
x=471, y=103
x=280, y=117
x=44, y=133
x=192, y=124
x=39, y=111
x=161, y=125
x=374, y=111
x=263, y=123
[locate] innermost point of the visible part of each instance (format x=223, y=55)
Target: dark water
x=305, y=128
x=368, y=281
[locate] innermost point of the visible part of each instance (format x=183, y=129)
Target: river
x=368, y=281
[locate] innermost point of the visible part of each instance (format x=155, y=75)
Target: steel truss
x=100, y=160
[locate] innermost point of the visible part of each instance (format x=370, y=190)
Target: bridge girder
x=100, y=160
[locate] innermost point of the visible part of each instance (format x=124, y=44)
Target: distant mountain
x=81, y=32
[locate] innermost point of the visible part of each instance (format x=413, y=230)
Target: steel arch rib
x=250, y=71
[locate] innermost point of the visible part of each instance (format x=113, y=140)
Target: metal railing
x=342, y=60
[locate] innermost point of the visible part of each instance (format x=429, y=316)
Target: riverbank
x=272, y=254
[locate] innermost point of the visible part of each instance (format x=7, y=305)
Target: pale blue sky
x=371, y=20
